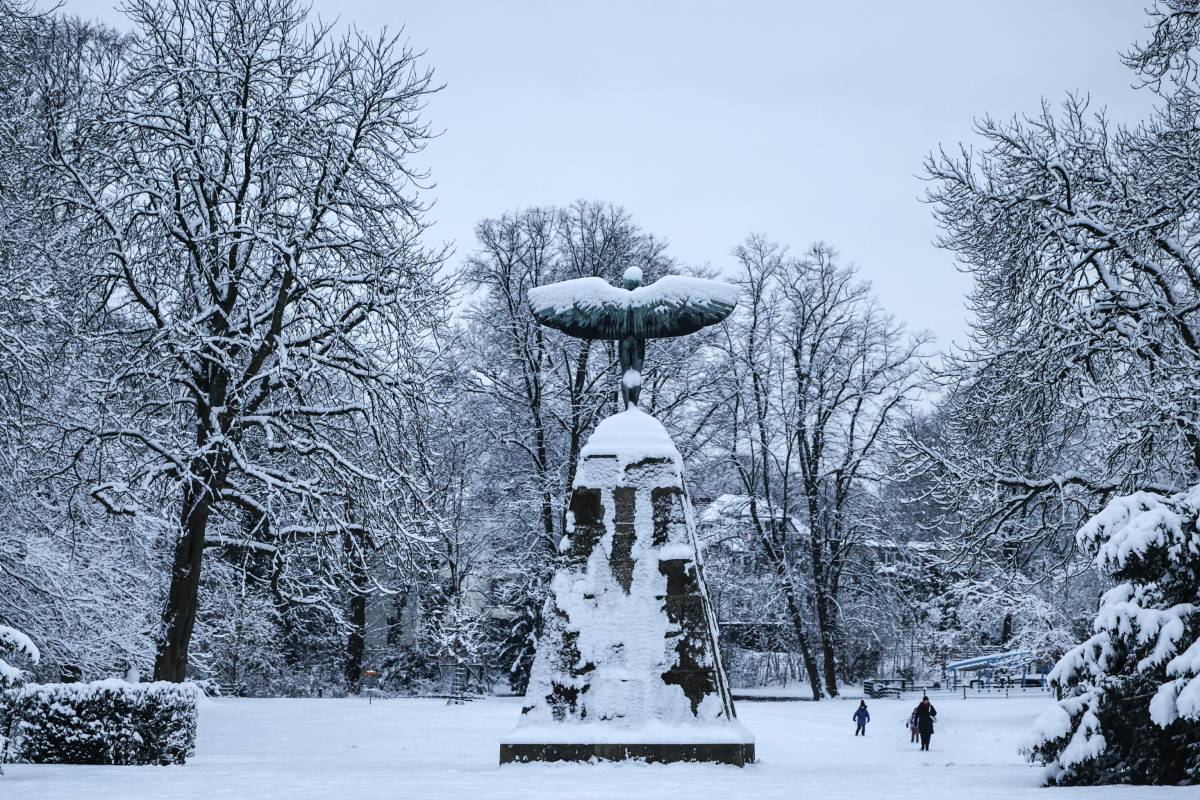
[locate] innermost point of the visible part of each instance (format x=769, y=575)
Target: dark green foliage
x=106, y=722
x=1129, y=713
x=1137, y=750
x=411, y=670
x=519, y=644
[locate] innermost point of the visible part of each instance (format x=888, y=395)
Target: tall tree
x=1080, y=381
x=822, y=376
x=55, y=548
x=255, y=223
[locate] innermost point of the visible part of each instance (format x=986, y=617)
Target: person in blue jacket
x=861, y=718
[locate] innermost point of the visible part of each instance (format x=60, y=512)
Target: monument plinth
x=628, y=664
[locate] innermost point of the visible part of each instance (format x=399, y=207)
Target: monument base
x=737, y=754
x=628, y=665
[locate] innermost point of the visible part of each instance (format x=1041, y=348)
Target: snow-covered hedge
x=105, y=722
x=1131, y=709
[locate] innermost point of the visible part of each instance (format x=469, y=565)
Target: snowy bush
x=516, y=638
x=105, y=722
x=458, y=635
x=1131, y=710
x=452, y=635
x=13, y=641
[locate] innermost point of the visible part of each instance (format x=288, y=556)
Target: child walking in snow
x=912, y=727
x=861, y=718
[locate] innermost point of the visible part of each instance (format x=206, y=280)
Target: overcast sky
x=709, y=121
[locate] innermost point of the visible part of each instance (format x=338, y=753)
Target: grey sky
x=709, y=121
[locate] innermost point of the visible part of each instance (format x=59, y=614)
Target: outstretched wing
x=587, y=308
x=591, y=308
x=676, y=305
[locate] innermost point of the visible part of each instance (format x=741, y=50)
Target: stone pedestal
x=628, y=664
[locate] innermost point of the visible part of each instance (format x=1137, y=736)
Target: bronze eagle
x=591, y=308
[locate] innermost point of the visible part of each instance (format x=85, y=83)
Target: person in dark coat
x=925, y=714
x=861, y=718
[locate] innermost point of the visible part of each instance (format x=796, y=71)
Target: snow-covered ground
x=269, y=749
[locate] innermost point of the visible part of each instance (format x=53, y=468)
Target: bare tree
x=821, y=376
x=1080, y=382
x=72, y=577
x=759, y=446
x=255, y=223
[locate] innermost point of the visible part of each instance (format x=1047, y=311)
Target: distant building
x=726, y=531
x=889, y=555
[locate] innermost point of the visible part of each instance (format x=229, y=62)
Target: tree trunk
x=825, y=622
x=798, y=627
x=828, y=643
x=821, y=579
x=795, y=613
x=356, y=640
x=179, y=615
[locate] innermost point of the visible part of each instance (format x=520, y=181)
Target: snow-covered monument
x=628, y=664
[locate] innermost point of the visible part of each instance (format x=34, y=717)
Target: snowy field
x=400, y=749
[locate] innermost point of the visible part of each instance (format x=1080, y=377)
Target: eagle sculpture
x=591, y=308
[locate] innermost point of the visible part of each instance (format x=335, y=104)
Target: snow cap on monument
x=633, y=435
